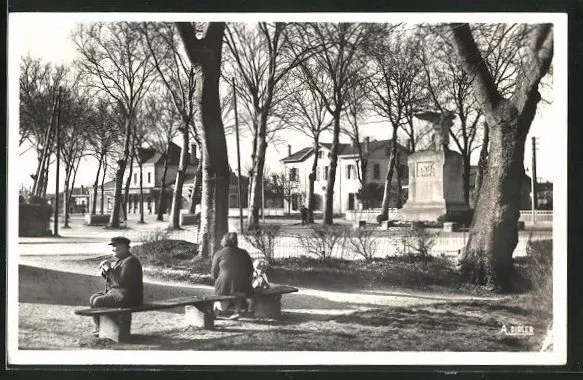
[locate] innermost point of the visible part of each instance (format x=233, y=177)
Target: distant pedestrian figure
x=149, y=208
x=304, y=213
x=232, y=270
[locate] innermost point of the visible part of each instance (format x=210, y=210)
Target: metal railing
x=386, y=243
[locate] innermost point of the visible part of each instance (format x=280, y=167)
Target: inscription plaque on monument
x=425, y=169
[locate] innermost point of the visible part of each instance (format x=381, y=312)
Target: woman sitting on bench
x=232, y=270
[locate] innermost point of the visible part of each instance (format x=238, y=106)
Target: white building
x=299, y=165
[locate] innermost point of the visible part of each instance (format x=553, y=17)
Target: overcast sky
x=48, y=36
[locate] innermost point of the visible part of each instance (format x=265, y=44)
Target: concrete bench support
x=115, y=327
x=267, y=306
x=199, y=316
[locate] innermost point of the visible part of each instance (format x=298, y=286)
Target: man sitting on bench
x=124, y=284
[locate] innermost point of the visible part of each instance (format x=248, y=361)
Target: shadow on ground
x=48, y=298
x=39, y=285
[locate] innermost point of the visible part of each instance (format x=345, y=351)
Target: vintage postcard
x=287, y=189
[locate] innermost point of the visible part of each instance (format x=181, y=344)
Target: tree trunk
x=127, y=190
x=207, y=209
x=329, y=208
x=45, y=179
x=141, y=192
x=312, y=179
x=466, y=177
x=257, y=178
x=94, y=203
x=206, y=54
x=102, y=202
x=389, y=177
x=180, y=175
x=487, y=258
x=66, y=205
x=481, y=163
x=72, y=188
x=399, y=185
x=161, y=197
x=196, y=185
x=121, y=167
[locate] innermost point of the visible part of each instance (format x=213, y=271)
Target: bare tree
x=160, y=115
x=39, y=83
x=179, y=77
x=450, y=86
x=73, y=122
x=487, y=257
x=103, y=132
x=305, y=112
x=204, y=48
x=331, y=72
x=394, y=91
x=115, y=62
x=262, y=57
x=354, y=113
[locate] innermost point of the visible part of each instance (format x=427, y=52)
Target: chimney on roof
x=288, y=150
x=366, y=145
x=408, y=144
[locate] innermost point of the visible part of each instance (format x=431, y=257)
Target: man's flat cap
x=119, y=240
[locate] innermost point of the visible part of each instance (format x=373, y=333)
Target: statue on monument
x=441, y=122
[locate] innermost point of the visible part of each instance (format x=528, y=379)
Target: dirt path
x=51, y=288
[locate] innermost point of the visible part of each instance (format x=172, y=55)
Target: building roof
x=343, y=150
x=299, y=155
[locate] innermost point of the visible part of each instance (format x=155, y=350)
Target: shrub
x=416, y=241
x=322, y=241
x=155, y=235
x=36, y=200
x=538, y=270
x=165, y=251
x=34, y=219
x=363, y=243
x=264, y=238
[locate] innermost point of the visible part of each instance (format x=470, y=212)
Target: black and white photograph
x=287, y=189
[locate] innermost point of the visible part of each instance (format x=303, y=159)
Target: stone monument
x=435, y=174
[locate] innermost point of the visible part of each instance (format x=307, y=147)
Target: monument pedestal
x=435, y=185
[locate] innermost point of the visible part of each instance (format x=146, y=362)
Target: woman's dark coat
x=232, y=270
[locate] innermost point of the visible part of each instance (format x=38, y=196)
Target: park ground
x=57, y=275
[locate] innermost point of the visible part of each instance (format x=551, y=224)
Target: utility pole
x=533, y=180
x=58, y=140
x=238, y=160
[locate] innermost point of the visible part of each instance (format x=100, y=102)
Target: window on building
x=376, y=171
x=149, y=177
x=349, y=171
x=317, y=174
x=320, y=154
x=135, y=178
x=325, y=173
x=388, y=151
x=293, y=174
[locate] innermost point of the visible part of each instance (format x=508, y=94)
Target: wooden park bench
x=115, y=322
